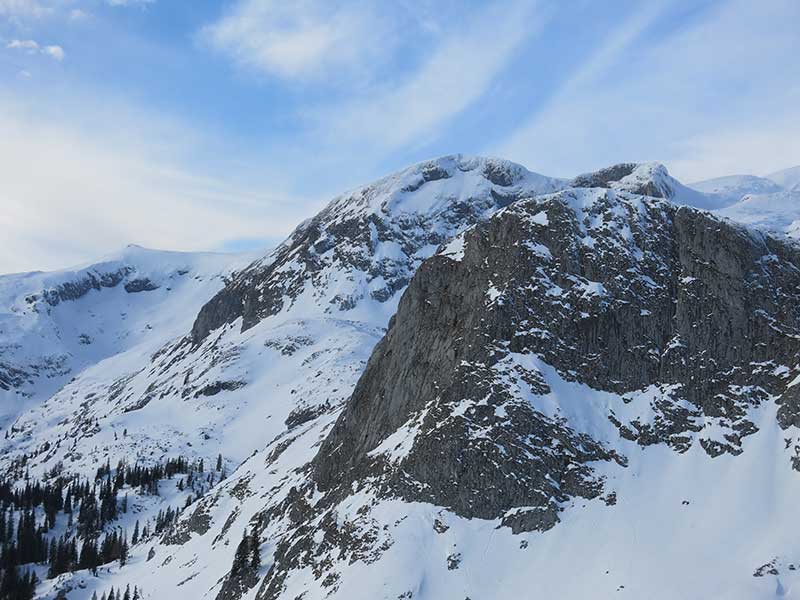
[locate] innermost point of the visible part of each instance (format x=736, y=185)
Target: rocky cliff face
x=692, y=319
x=540, y=351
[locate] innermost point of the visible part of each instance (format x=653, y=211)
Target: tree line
x=29, y=512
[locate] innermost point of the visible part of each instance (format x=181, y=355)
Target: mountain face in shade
x=628, y=295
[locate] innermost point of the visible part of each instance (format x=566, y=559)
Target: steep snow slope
x=54, y=325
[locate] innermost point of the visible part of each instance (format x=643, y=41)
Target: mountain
x=117, y=331
x=733, y=188
x=788, y=179
x=235, y=386
x=54, y=325
x=462, y=380
x=771, y=203
x=778, y=212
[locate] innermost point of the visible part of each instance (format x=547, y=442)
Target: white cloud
x=73, y=192
x=679, y=97
x=454, y=75
x=78, y=14
x=29, y=45
x=56, y=52
x=33, y=47
x=25, y=13
x=301, y=39
x=22, y=8
x=129, y=2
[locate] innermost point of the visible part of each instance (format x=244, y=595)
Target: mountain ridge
x=536, y=284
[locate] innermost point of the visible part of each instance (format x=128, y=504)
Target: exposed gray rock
x=72, y=290
x=613, y=290
x=603, y=177
x=199, y=522
x=142, y=284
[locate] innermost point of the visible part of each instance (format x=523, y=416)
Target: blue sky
x=220, y=125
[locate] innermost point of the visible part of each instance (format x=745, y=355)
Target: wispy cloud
x=56, y=52
x=375, y=82
x=33, y=47
x=306, y=39
x=22, y=8
x=129, y=2
x=667, y=95
x=79, y=14
x=29, y=45
x=72, y=192
x=457, y=72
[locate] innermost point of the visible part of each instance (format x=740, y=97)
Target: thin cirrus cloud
x=93, y=201
x=715, y=96
x=399, y=76
x=22, y=8
x=303, y=40
x=454, y=75
x=33, y=47
x=129, y=2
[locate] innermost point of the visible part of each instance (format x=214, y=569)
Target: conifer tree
x=255, y=552
x=242, y=557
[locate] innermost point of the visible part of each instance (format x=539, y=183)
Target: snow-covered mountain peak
x=777, y=212
x=733, y=188
x=647, y=179
x=769, y=203
x=359, y=252
x=431, y=186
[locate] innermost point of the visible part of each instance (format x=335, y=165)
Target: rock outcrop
x=694, y=318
